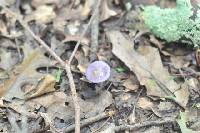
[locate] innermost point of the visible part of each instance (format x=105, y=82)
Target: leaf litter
x=150, y=82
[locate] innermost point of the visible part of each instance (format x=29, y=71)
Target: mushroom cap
x=98, y=71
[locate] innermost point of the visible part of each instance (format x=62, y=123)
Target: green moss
x=174, y=24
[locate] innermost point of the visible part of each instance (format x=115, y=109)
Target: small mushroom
x=98, y=71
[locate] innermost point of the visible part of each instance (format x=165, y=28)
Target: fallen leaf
x=87, y=7
x=97, y=105
x=55, y=104
x=147, y=66
x=144, y=103
x=25, y=73
x=106, y=11
x=43, y=14
x=46, y=85
x=59, y=24
x=131, y=83
x=60, y=105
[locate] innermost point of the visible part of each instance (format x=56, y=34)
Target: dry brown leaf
x=59, y=24
x=55, y=105
x=43, y=14
x=131, y=83
x=25, y=73
x=106, y=12
x=61, y=106
x=87, y=7
x=46, y=85
x=148, y=68
x=144, y=103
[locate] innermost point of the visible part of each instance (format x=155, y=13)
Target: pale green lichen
x=174, y=24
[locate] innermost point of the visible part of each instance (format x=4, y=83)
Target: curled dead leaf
x=144, y=103
x=45, y=85
x=25, y=73
x=106, y=11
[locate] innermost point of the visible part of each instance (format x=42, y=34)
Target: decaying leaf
x=46, y=85
x=25, y=73
x=43, y=14
x=55, y=105
x=60, y=105
x=87, y=7
x=131, y=83
x=148, y=68
x=106, y=11
x=144, y=103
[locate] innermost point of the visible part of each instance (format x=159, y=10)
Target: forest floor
x=46, y=47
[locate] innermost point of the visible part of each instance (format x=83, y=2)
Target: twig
x=143, y=124
x=84, y=31
x=97, y=130
x=18, y=50
x=74, y=97
x=90, y=120
x=63, y=64
x=94, y=35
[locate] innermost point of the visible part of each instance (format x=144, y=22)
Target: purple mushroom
x=98, y=71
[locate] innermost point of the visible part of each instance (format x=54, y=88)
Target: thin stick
x=143, y=124
x=94, y=35
x=74, y=97
x=97, y=130
x=90, y=120
x=84, y=31
x=64, y=64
